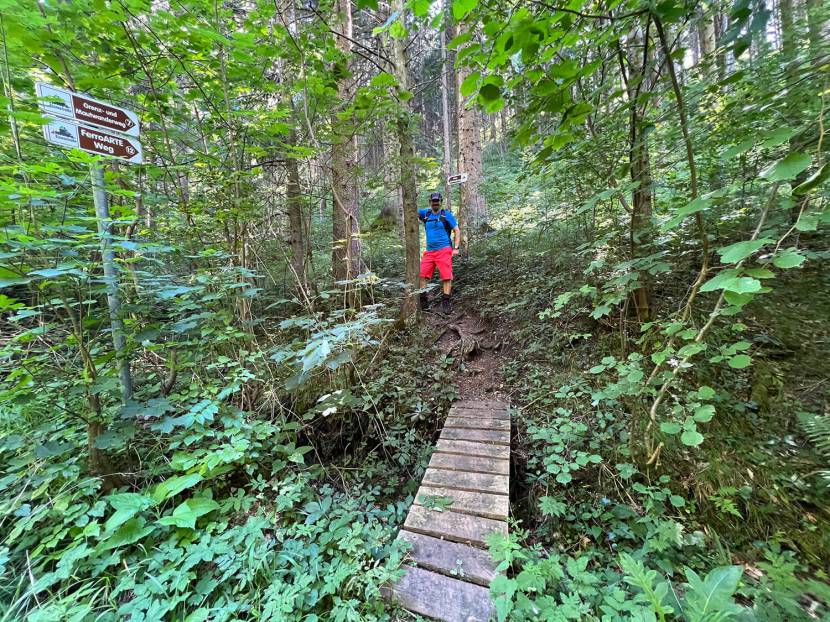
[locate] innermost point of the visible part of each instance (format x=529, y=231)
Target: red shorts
x=442, y=258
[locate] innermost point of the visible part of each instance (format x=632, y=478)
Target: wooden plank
x=482, y=404
x=450, y=558
x=474, y=482
x=483, y=504
x=477, y=424
x=453, y=526
x=458, y=411
x=441, y=597
x=475, y=416
x=473, y=464
x=497, y=437
x=468, y=448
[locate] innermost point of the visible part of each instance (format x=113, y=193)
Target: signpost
x=458, y=178
x=66, y=134
x=78, y=121
x=85, y=109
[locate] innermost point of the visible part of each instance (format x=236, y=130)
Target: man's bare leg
x=447, y=287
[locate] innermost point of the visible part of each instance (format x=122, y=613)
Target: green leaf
x=420, y=7
x=670, y=427
x=711, y=598
x=816, y=179
x=692, y=438
x=704, y=414
x=698, y=205
x=741, y=250
x=186, y=513
x=706, y=392
x=489, y=92
x=131, y=531
x=778, y=136
x=397, y=30
x=740, y=361
x=126, y=505
x=738, y=300
x=564, y=478
x=462, y=8
x=677, y=501
x=808, y=220
x=788, y=168
x=384, y=79
x=738, y=149
x=788, y=258
x=174, y=485
x=719, y=279
x=470, y=84
x=551, y=506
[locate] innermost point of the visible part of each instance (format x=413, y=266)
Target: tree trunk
x=640, y=169
x=446, y=68
x=785, y=17
x=706, y=37
x=472, y=210
x=346, y=250
x=296, y=225
x=816, y=20
x=409, y=193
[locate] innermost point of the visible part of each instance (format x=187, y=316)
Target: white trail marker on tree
x=458, y=178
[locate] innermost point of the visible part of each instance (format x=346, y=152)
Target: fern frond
x=817, y=429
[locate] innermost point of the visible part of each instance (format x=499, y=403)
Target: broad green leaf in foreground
x=173, y=486
x=185, y=514
x=787, y=168
x=741, y=250
x=788, y=258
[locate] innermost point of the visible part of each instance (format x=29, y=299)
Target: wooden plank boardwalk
x=463, y=497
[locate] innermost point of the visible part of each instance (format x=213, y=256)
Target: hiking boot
x=423, y=301
x=446, y=305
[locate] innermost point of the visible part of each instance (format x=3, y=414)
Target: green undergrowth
x=734, y=527
x=266, y=482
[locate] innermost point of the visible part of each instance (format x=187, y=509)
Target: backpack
x=443, y=220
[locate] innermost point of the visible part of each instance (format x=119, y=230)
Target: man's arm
x=457, y=233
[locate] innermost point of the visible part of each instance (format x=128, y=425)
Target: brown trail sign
x=85, y=109
x=67, y=134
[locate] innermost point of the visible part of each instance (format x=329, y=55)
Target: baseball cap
x=435, y=196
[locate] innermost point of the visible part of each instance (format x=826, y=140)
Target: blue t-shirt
x=437, y=236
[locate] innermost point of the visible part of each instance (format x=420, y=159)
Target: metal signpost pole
x=99, y=196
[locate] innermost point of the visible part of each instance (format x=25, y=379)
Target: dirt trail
x=478, y=351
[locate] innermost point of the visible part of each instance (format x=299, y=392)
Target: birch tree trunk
x=346, y=250
x=706, y=37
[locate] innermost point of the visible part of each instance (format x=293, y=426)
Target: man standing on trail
x=439, y=224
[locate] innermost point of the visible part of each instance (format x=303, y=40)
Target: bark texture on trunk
x=706, y=36
x=296, y=225
x=640, y=168
x=409, y=192
x=473, y=210
x=446, y=68
x=346, y=250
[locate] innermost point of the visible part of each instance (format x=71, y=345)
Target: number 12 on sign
x=102, y=142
